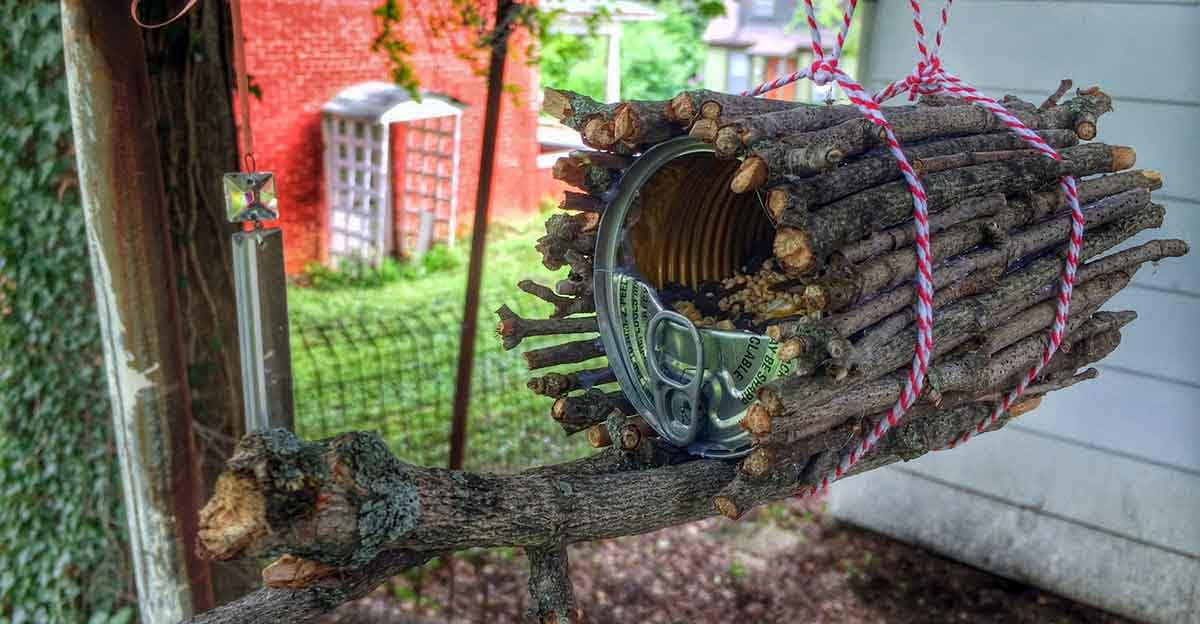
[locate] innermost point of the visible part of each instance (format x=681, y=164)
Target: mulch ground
x=787, y=563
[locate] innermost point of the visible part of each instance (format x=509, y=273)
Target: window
x=762, y=8
x=739, y=72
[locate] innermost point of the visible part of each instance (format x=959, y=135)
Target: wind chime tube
x=259, y=280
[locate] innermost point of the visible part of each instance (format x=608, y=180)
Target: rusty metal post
x=483, y=197
x=129, y=244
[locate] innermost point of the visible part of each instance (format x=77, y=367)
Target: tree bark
x=550, y=586
x=280, y=604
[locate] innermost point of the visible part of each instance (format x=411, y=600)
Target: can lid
x=691, y=384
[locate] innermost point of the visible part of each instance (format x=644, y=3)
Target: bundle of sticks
x=835, y=289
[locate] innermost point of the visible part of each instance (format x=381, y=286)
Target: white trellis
x=356, y=128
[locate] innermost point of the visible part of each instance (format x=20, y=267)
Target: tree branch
x=550, y=586
x=272, y=604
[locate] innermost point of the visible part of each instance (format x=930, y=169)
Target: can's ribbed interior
x=690, y=228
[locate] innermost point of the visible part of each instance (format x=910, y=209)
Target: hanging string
x=243, y=85
x=239, y=68
x=929, y=78
x=133, y=12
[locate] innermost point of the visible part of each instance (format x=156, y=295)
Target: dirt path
x=787, y=563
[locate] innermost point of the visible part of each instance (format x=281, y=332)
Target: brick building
x=301, y=53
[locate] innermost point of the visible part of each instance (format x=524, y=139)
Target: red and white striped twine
x=929, y=78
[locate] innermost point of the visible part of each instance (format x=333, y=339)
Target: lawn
x=378, y=350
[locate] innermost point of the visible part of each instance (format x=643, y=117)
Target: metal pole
x=612, y=74
x=129, y=246
x=483, y=196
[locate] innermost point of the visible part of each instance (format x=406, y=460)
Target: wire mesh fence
x=395, y=374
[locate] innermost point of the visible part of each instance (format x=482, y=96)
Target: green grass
x=510, y=258
x=378, y=350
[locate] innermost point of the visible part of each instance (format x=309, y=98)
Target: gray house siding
x=1097, y=493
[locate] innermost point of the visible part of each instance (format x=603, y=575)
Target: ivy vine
x=62, y=544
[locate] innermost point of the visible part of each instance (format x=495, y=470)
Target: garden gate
x=356, y=129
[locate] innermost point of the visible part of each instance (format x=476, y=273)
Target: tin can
x=670, y=219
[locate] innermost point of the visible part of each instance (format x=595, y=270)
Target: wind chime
x=261, y=289
x=258, y=273
x=259, y=280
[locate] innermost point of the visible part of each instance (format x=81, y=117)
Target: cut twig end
x=1123, y=157
x=599, y=132
x=793, y=251
x=295, y=573
x=750, y=175
x=598, y=436
x=1024, y=407
x=759, y=463
x=682, y=108
x=556, y=103
x=728, y=142
x=756, y=421
x=726, y=507
x=234, y=517
x=705, y=130
x=625, y=122
x=558, y=411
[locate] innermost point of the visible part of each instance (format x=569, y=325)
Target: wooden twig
x=633, y=433
x=566, y=353
x=813, y=152
x=972, y=373
x=579, y=412
x=580, y=201
x=563, y=306
x=1052, y=100
x=980, y=263
x=570, y=108
x=566, y=233
x=597, y=436
x=513, y=329
x=685, y=108
x=550, y=591
x=643, y=123
x=583, y=173
x=1041, y=204
x=801, y=250
x=865, y=280
x=959, y=322
x=935, y=164
x=559, y=384
x=875, y=169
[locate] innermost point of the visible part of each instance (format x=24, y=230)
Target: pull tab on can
x=691, y=384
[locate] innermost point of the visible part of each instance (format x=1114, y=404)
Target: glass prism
x=250, y=197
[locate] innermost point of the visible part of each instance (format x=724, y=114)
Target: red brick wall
x=302, y=52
